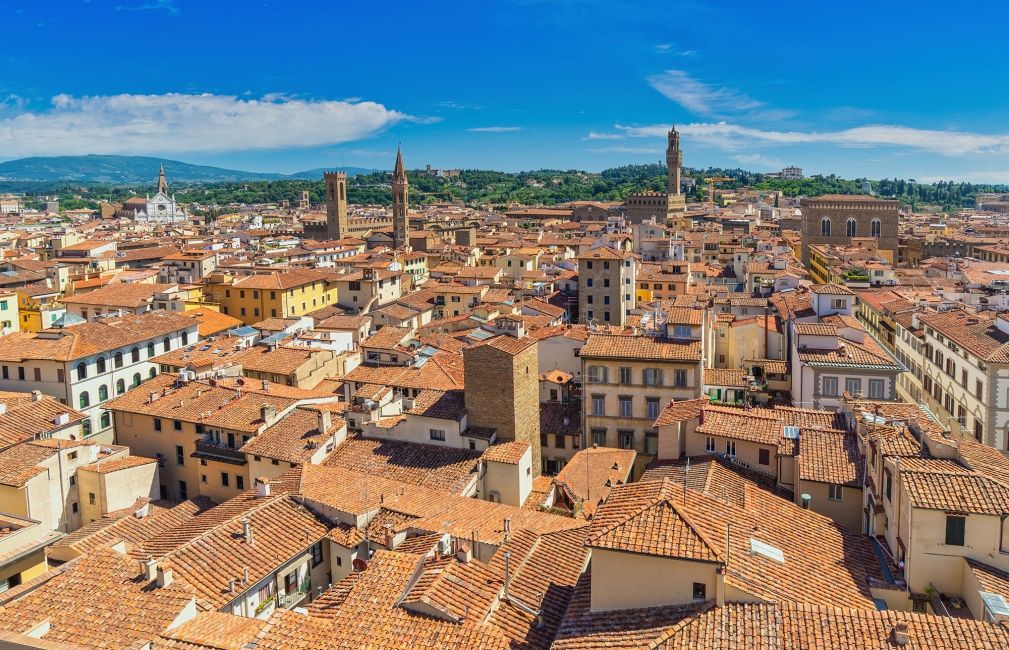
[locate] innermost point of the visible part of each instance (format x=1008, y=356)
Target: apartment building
x=272, y=295
x=607, y=282
x=87, y=364
x=628, y=379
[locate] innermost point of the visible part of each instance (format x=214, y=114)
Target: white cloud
x=154, y=5
x=995, y=177
x=700, y=98
x=495, y=129
x=734, y=136
x=759, y=160
x=669, y=48
x=177, y=123
x=595, y=135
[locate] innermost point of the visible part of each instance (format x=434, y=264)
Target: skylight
x=766, y=551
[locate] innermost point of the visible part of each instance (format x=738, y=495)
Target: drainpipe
x=63, y=495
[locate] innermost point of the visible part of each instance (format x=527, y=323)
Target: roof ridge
x=688, y=520
x=237, y=516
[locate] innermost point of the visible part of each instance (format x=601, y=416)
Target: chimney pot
x=247, y=531
x=262, y=487
x=165, y=577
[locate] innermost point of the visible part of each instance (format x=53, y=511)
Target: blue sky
x=858, y=89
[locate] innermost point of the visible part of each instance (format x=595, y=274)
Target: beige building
x=606, y=286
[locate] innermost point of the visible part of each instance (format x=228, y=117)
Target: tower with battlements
x=676, y=202
x=336, y=204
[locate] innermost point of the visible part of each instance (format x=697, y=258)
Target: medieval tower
x=400, y=204
x=676, y=202
x=336, y=204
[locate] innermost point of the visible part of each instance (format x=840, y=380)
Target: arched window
x=119, y=359
x=100, y=363
x=849, y=228
x=877, y=227
x=150, y=349
x=168, y=343
x=86, y=427
x=185, y=337
x=135, y=354
x=103, y=393
x=120, y=387
x=82, y=370
x=136, y=380
x=825, y=227
x=153, y=373
x=106, y=420
x=85, y=400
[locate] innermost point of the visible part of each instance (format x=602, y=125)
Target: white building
x=792, y=173
x=161, y=208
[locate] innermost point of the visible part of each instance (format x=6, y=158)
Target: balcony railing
x=291, y=599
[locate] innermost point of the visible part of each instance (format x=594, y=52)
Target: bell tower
x=336, y=204
x=676, y=204
x=400, y=204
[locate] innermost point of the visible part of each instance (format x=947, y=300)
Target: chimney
x=247, y=531
x=262, y=487
x=268, y=412
x=901, y=636
x=464, y=554
x=266, y=386
x=325, y=421
x=805, y=501
x=150, y=569
x=36, y=395
x=151, y=396
x=164, y=577
x=507, y=572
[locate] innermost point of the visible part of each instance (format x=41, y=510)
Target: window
x=653, y=376
x=598, y=374
x=699, y=591
x=167, y=343
x=37, y=373
x=106, y=420
x=887, y=484
x=437, y=434
x=73, y=507
x=152, y=373
x=853, y=385
x=559, y=442
x=877, y=227
x=680, y=378
x=825, y=227
x=599, y=437
x=21, y=373
x=224, y=479
x=5, y=372
x=730, y=447
x=876, y=388
x=135, y=354
x=120, y=387
x=157, y=424
x=103, y=393
x=653, y=407
x=86, y=427
x=849, y=228
x=955, y=528
x=598, y=405
x=835, y=492
x=316, y=554
x=82, y=371
x=85, y=400
x=709, y=444
x=625, y=439
x=978, y=430
x=682, y=331
x=764, y=456
x=978, y=389
x=183, y=492
x=136, y=380
x=91, y=498
x=625, y=375
x=239, y=481
x=830, y=386
x=180, y=455
x=150, y=349
x=625, y=406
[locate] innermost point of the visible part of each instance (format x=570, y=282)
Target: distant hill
x=133, y=170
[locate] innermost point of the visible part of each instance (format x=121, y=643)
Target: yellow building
x=272, y=295
x=38, y=308
x=23, y=545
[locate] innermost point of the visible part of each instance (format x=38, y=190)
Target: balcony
x=219, y=451
x=292, y=599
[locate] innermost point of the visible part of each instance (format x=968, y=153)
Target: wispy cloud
x=701, y=98
x=595, y=135
x=733, y=136
x=495, y=129
x=759, y=160
x=670, y=48
x=455, y=106
x=167, y=6
x=173, y=123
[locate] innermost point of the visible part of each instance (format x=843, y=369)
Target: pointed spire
x=398, y=171
x=162, y=181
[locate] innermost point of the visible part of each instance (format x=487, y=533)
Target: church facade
x=161, y=208
x=838, y=218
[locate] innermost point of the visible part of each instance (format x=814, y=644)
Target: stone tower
x=162, y=181
x=675, y=200
x=400, y=204
x=336, y=204
x=502, y=386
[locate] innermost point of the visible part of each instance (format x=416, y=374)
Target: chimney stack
x=325, y=421
x=262, y=487
x=164, y=577
x=268, y=412
x=266, y=386
x=901, y=636
x=150, y=569
x=36, y=395
x=247, y=531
